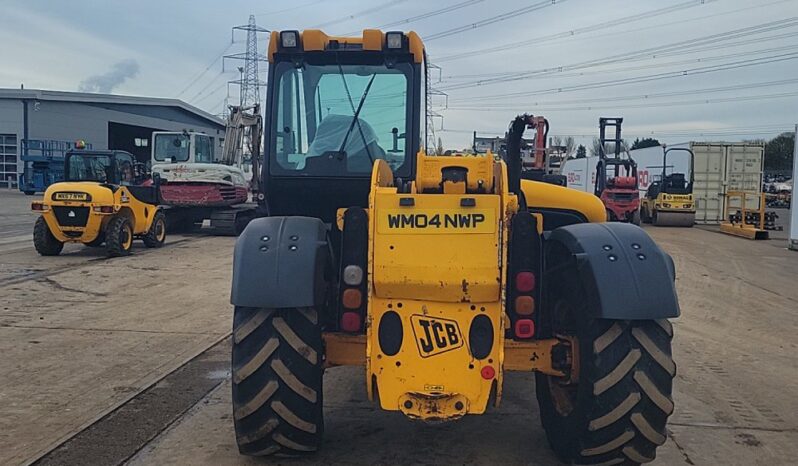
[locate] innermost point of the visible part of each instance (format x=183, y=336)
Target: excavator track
x=231, y=222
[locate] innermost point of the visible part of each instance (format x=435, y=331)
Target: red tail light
x=525, y=282
x=524, y=328
x=350, y=322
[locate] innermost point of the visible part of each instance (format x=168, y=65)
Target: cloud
x=106, y=82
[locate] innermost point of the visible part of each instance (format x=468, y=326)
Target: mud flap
x=279, y=262
x=625, y=274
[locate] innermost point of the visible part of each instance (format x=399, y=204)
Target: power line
x=651, y=77
x=202, y=91
x=675, y=48
x=723, y=131
x=365, y=12
x=213, y=92
x=565, y=34
x=646, y=97
x=494, y=19
x=624, y=69
x=641, y=105
x=202, y=73
x=532, y=74
x=274, y=12
x=430, y=14
x=681, y=47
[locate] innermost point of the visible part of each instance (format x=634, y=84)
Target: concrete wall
x=69, y=121
x=11, y=117
x=10, y=123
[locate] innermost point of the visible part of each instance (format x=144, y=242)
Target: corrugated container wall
x=724, y=167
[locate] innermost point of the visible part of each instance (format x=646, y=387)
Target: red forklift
x=616, y=177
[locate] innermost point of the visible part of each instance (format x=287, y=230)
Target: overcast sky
x=711, y=83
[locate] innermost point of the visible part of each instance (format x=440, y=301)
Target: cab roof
x=314, y=40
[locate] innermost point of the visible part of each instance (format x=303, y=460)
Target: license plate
x=447, y=221
x=70, y=197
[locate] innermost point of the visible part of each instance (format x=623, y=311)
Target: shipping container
x=720, y=167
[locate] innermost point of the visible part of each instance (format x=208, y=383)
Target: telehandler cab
x=437, y=274
x=100, y=202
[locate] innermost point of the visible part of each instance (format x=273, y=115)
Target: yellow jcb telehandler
x=436, y=274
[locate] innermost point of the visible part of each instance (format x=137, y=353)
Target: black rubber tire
x=241, y=222
x=277, y=373
x=156, y=235
x=621, y=403
x=29, y=193
x=645, y=217
x=116, y=231
x=43, y=240
x=636, y=217
x=96, y=242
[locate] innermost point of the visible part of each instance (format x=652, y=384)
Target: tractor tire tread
x=277, y=382
x=150, y=238
x=631, y=377
x=114, y=246
x=43, y=240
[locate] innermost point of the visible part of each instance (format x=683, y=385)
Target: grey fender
x=625, y=274
x=280, y=262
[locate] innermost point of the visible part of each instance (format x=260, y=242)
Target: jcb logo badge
x=435, y=336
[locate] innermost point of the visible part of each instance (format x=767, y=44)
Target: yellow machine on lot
x=669, y=201
x=741, y=219
x=436, y=274
x=99, y=203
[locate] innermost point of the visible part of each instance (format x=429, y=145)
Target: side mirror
x=396, y=137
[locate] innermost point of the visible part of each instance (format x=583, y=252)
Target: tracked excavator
x=198, y=186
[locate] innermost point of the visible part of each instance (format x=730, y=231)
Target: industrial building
x=34, y=118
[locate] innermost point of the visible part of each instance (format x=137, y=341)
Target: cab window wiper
x=356, y=113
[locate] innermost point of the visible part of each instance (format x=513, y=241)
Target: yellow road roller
x=669, y=201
